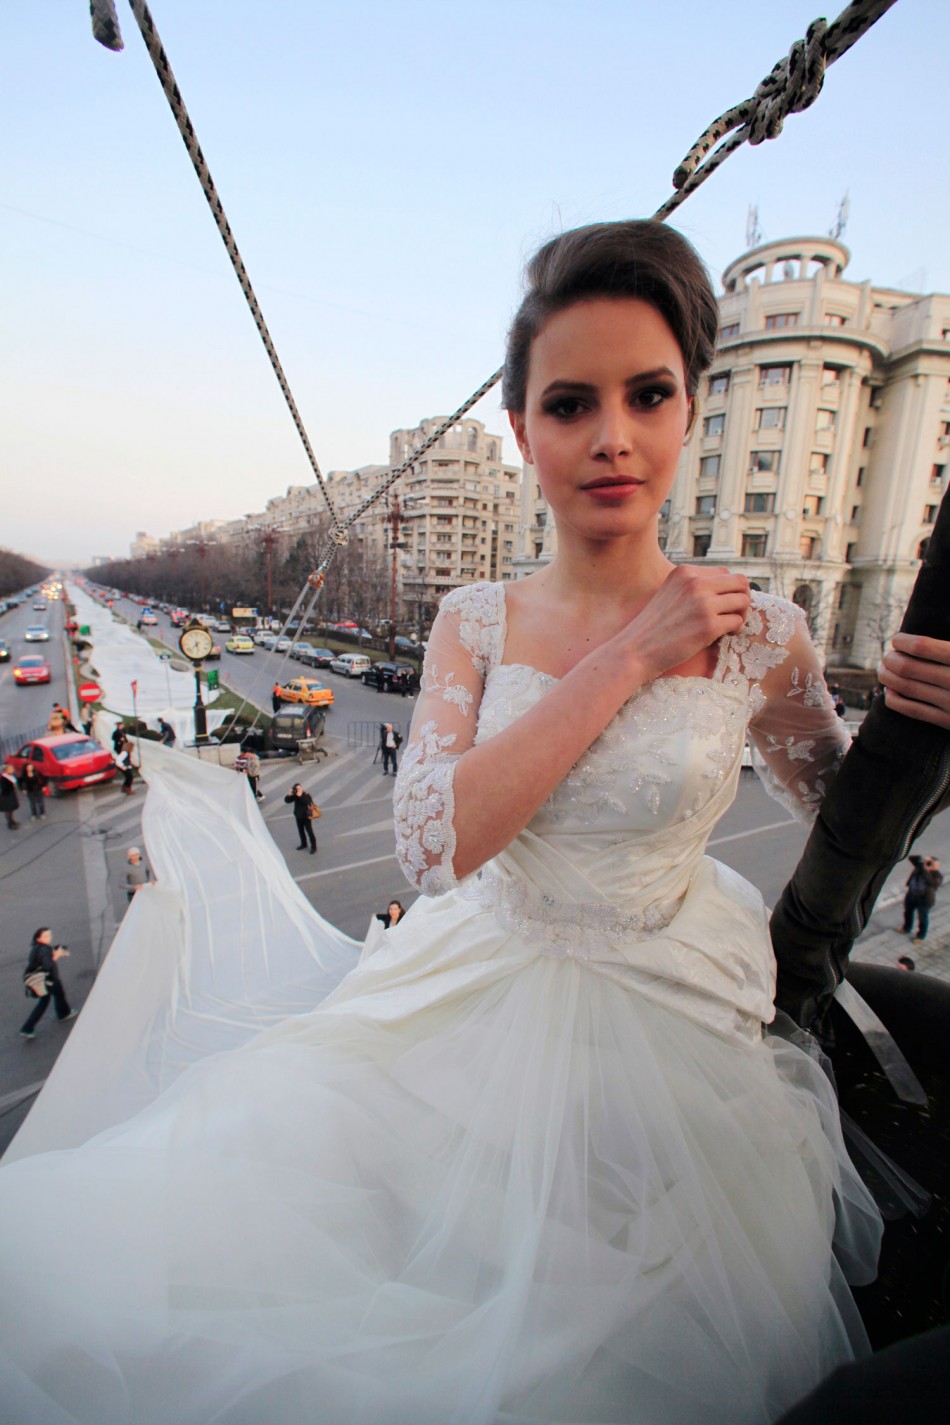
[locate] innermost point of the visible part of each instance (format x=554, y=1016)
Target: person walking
x=306, y=812
x=118, y=736
x=389, y=743
x=34, y=784
x=922, y=885
x=137, y=873
x=44, y=957
x=123, y=760
x=252, y=769
x=9, y=801
x=167, y=733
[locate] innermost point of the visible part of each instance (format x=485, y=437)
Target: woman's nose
x=613, y=436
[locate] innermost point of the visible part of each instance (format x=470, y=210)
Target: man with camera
x=922, y=884
x=41, y=978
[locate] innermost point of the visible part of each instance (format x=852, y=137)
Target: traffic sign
x=90, y=692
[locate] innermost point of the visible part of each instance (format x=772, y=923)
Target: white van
x=354, y=665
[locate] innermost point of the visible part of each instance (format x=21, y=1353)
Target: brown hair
x=642, y=259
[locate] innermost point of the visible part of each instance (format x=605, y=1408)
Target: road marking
x=350, y=866
x=754, y=831
x=386, y=825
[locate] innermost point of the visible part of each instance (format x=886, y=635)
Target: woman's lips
x=612, y=489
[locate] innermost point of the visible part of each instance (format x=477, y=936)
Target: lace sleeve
x=798, y=740
x=466, y=638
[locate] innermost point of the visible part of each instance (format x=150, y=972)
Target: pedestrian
x=118, y=736
x=252, y=769
x=9, y=801
x=123, y=760
x=68, y=724
x=275, y=700
x=137, y=874
x=306, y=812
x=57, y=722
x=389, y=743
x=841, y=707
x=167, y=733
x=922, y=886
x=44, y=957
x=393, y=913
x=906, y=962
x=34, y=784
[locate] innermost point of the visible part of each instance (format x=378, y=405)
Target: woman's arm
x=459, y=804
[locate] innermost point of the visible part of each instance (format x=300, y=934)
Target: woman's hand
x=691, y=610
x=915, y=675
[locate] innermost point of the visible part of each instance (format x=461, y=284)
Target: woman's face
x=606, y=414
x=395, y=910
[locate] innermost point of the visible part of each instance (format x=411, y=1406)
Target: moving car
x=40, y=606
x=214, y=654
x=318, y=657
x=304, y=690
x=68, y=761
x=36, y=633
x=391, y=678
x=354, y=665
x=240, y=643
x=4, y=652
x=222, y=626
x=31, y=668
x=148, y=619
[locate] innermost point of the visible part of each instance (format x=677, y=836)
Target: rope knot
x=793, y=85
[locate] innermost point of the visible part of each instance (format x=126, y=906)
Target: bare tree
x=883, y=620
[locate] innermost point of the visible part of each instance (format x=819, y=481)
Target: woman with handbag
x=306, y=812
x=41, y=981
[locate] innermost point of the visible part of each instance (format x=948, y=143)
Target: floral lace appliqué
x=424, y=807
x=455, y=693
x=481, y=611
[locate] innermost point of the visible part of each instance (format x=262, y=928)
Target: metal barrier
x=9, y=745
x=366, y=734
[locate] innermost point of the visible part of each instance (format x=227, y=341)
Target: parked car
x=36, y=633
x=222, y=626
x=318, y=657
x=4, y=652
x=354, y=665
x=304, y=690
x=215, y=653
x=407, y=645
x=292, y=725
x=68, y=761
x=240, y=643
x=391, y=678
x=31, y=668
x=299, y=649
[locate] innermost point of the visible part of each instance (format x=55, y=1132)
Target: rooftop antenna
x=841, y=221
x=753, y=233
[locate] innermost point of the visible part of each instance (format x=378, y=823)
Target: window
x=831, y=375
x=759, y=504
x=825, y=419
x=719, y=384
x=767, y=460
x=808, y=546
x=859, y=481
x=868, y=437
x=709, y=467
x=770, y=417
x=922, y=548
x=705, y=504
x=930, y=514
x=714, y=425
x=754, y=546
x=855, y=513
x=936, y=474
x=849, y=554
x=945, y=430
x=818, y=463
x=781, y=319
x=812, y=505
x=701, y=543
x=665, y=510
x=834, y=319
x=775, y=375
x=727, y=332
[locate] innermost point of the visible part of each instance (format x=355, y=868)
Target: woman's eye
x=564, y=407
x=651, y=397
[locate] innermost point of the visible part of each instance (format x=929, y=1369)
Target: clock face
x=196, y=643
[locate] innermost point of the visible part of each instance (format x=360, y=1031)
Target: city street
x=68, y=871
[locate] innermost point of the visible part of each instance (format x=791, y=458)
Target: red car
x=68, y=761
x=31, y=668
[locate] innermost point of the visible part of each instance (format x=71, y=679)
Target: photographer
x=43, y=960
x=922, y=885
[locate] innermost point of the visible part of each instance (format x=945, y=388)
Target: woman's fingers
x=915, y=674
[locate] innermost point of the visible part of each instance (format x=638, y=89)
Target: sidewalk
x=883, y=941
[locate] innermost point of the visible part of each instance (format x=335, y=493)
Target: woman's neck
x=621, y=573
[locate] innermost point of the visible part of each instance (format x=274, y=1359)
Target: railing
x=9, y=745
x=366, y=734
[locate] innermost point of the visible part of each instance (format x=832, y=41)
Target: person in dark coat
x=392, y=914
x=167, y=733
x=9, y=801
x=34, y=784
x=305, y=809
x=44, y=956
x=922, y=885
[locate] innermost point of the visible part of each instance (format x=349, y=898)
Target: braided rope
x=792, y=86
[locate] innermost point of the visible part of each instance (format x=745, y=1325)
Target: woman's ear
x=516, y=420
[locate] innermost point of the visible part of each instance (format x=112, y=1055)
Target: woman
x=44, y=957
x=391, y=915
x=534, y=1159
x=34, y=784
x=9, y=801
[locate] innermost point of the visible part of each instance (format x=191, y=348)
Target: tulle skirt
x=534, y=1197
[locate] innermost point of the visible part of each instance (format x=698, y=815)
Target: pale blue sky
x=386, y=169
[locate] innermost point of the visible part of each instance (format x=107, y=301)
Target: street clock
x=195, y=642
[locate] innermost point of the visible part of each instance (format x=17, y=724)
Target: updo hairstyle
x=642, y=259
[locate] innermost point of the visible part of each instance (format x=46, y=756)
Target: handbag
x=35, y=984
x=314, y=812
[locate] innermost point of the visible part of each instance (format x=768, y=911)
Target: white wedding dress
x=533, y=1160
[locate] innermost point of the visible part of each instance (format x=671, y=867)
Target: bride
x=538, y=1158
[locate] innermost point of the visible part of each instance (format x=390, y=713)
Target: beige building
x=461, y=508
x=821, y=447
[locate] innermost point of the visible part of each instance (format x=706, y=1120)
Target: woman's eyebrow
x=585, y=387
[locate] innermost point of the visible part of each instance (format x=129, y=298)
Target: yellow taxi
x=304, y=690
x=240, y=643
